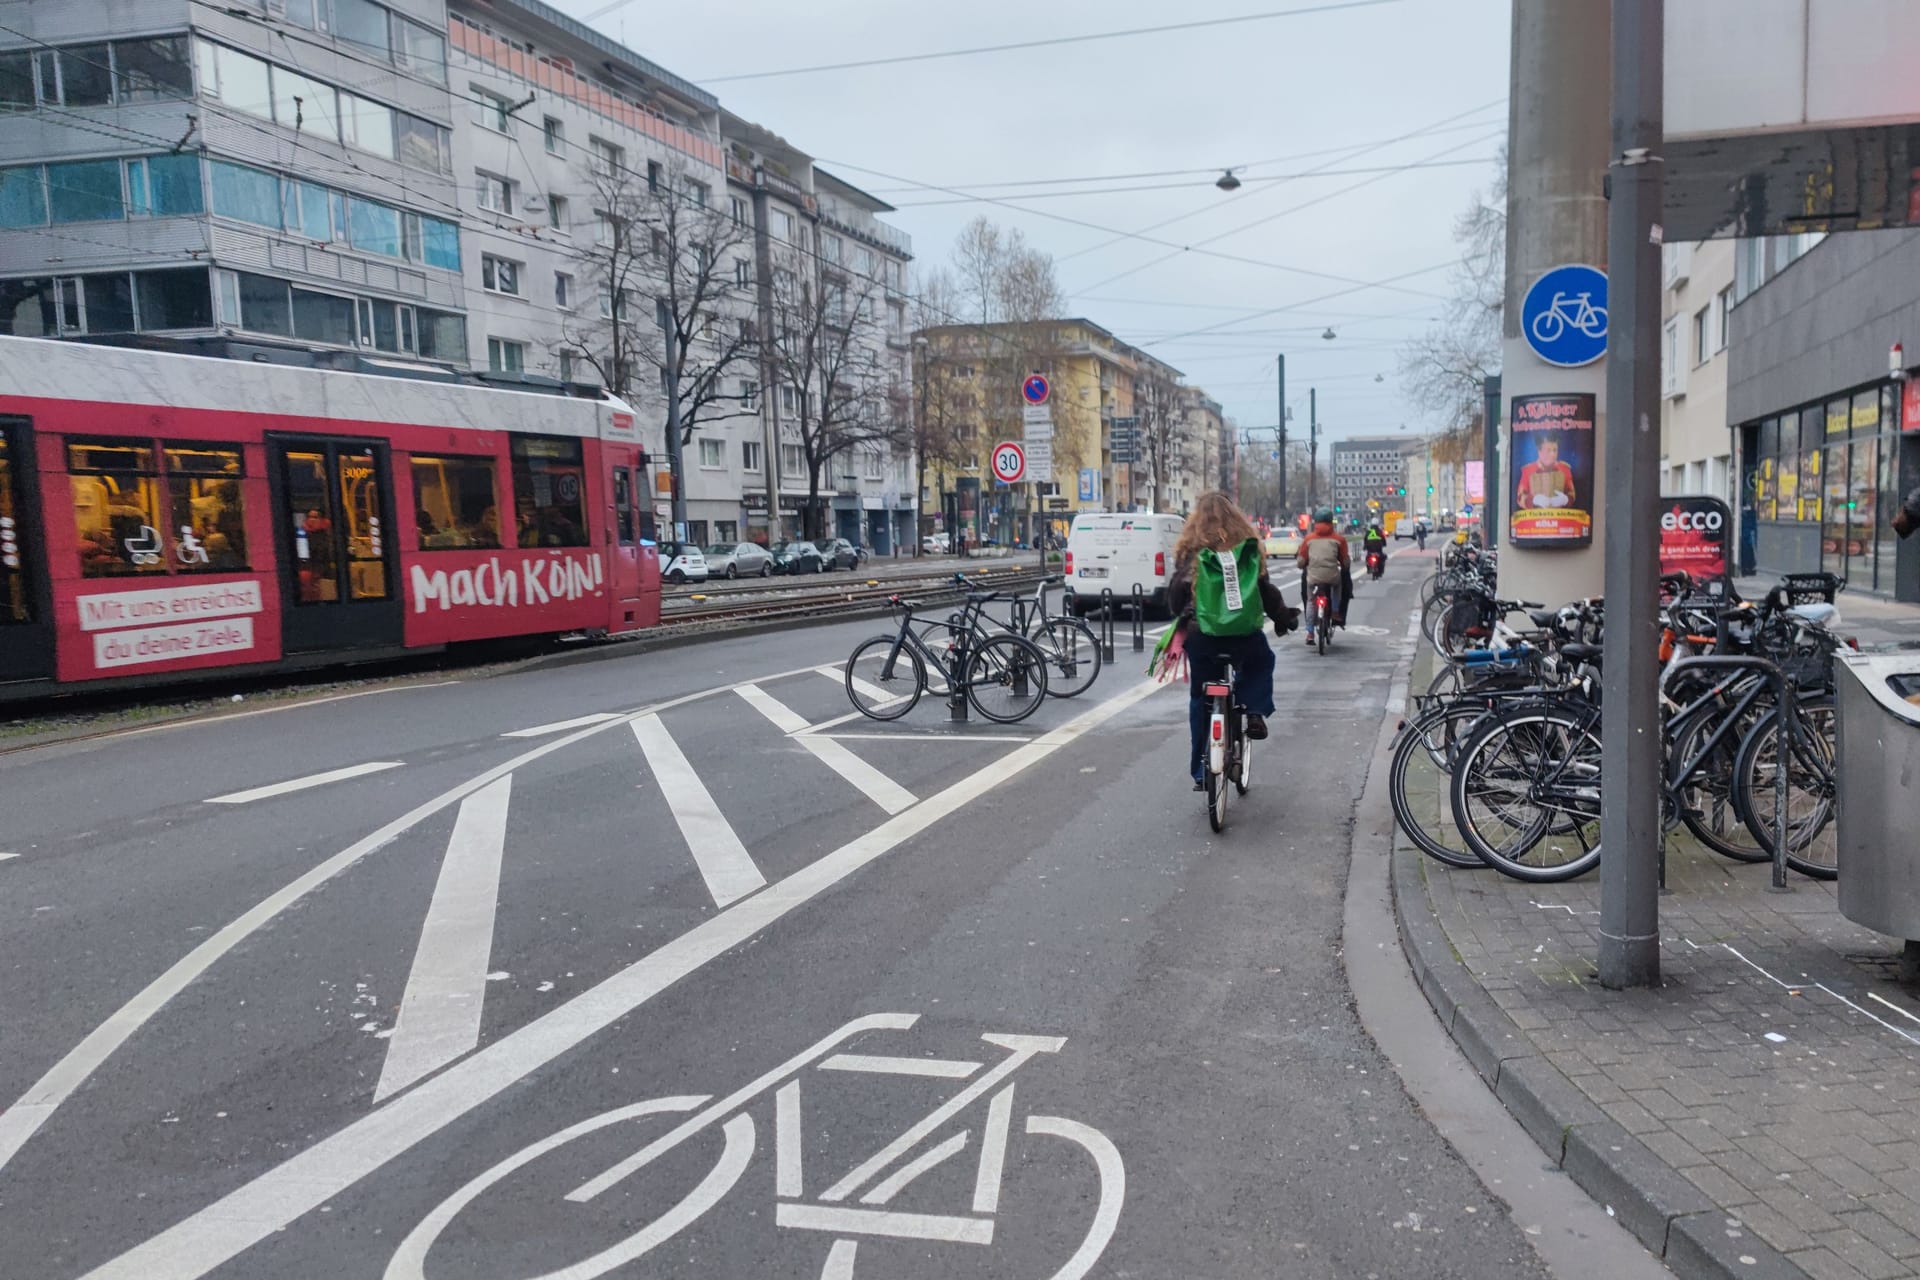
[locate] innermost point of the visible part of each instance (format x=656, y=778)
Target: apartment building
x=1696, y=446
x=270, y=179
x=1366, y=468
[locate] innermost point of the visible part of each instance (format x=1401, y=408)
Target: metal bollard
x=1139, y=619
x=1106, y=623
x=956, y=675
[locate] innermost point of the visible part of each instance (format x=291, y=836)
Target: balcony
x=862, y=225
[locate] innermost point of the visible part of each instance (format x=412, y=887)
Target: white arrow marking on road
x=244, y=1217
x=440, y=1012
x=302, y=784
x=561, y=726
x=724, y=862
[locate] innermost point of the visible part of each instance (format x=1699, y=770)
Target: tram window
x=13, y=577
x=310, y=504
x=548, y=479
x=116, y=508
x=623, y=505
x=454, y=504
x=365, y=538
x=207, y=510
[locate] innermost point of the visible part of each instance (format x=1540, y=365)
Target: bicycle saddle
x=1580, y=652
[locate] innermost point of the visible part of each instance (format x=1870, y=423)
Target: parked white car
x=739, y=560
x=936, y=544
x=682, y=562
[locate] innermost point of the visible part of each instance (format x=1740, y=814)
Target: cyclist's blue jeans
x=1252, y=659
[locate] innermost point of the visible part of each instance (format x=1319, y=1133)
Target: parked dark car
x=797, y=557
x=841, y=554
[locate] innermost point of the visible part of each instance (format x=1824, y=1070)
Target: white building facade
x=1696, y=444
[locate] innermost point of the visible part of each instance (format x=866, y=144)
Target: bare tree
x=826, y=348
x=1443, y=369
x=943, y=415
x=1159, y=422
x=671, y=311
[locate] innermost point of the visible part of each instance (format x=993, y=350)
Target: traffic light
x=1429, y=491
x=1403, y=491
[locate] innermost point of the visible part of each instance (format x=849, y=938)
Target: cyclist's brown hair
x=1216, y=523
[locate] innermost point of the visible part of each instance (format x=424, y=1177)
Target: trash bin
x=1877, y=773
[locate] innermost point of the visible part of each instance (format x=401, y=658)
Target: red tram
x=166, y=516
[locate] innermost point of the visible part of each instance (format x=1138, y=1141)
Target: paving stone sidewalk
x=1757, y=1115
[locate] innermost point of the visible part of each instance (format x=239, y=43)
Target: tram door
x=633, y=566
x=26, y=614
x=339, y=558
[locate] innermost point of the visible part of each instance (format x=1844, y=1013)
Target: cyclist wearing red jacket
x=1324, y=560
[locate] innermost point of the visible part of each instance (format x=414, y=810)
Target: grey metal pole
x=1313, y=444
x=1490, y=445
x=763, y=345
x=1630, y=751
x=1282, y=513
x=673, y=442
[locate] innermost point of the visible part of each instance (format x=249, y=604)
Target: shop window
x=726, y=531
x=454, y=503
x=14, y=604
x=152, y=70
x=206, y=509
x=178, y=299
x=88, y=191
x=116, y=508
x=548, y=492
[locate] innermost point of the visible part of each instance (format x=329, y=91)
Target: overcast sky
x=1282, y=95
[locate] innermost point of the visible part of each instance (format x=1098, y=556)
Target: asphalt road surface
x=662, y=965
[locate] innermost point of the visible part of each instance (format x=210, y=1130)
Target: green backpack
x=1226, y=591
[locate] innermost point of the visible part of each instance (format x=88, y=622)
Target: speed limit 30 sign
x=1009, y=462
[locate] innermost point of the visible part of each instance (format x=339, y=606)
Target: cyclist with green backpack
x=1221, y=596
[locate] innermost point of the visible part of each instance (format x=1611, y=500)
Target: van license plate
x=1093, y=573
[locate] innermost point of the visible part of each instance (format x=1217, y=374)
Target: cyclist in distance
x=1220, y=594
x=1323, y=559
x=1376, y=538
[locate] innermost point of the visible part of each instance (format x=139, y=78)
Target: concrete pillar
x=1557, y=156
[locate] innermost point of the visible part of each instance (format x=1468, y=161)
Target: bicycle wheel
x=1526, y=793
x=1243, y=763
x=1705, y=797
x=1006, y=678
x=1217, y=800
x=1812, y=842
x=1073, y=656
x=883, y=685
x=1417, y=782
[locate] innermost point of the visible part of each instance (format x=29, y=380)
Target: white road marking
x=303, y=784
x=561, y=726
x=1871, y=995
x=875, y=785
x=270, y=1202
x=878, y=1064
x=866, y=688
x=993, y=1153
x=440, y=1012
x=1113, y=1189
x=221, y=717
x=925, y=737
x=724, y=862
x=840, y=1260
x=783, y=717
x=901, y=1178
x=882, y=1222
x=786, y=1142
x=8, y=857
x=1861, y=1009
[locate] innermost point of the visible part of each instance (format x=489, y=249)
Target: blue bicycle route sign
x=1564, y=316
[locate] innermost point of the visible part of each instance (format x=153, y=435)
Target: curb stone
x=1669, y=1215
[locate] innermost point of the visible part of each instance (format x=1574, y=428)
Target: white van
x=1114, y=552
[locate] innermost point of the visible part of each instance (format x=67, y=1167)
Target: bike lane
x=1196, y=983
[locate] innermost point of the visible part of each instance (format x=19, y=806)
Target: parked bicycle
x=1003, y=676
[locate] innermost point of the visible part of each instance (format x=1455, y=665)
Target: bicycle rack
x=1784, y=700
x=1139, y=619
x=1106, y=623
x=956, y=674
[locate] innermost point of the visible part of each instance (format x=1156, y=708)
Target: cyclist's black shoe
x=1199, y=784
x=1257, y=728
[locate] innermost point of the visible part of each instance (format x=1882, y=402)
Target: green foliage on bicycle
x=1226, y=591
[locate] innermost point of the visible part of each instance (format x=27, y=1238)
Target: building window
x=499, y=275
x=749, y=392
x=699, y=192
x=554, y=133
x=1702, y=336
x=443, y=335
x=563, y=291
x=742, y=273
x=506, y=357
x=783, y=225
x=876, y=465
x=496, y=193
x=549, y=492
x=491, y=111
x=750, y=455
x=557, y=212
x=604, y=157
x=793, y=463
x=735, y=204
x=713, y=454
x=89, y=191
x=830, y=247
x=653, y=177
x=1722, y=317
x=788, y=400
x=454, y=503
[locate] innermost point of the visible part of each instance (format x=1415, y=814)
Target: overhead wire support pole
x=1282, y=446
x=1630, y=756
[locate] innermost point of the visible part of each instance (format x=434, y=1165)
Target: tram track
x=702, y=608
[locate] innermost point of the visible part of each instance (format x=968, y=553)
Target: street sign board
x=1564, y=316
x=1037, y=417
x=1040, y=460
x=1009, y=462
x=1089, y=484
x=1036, y=389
